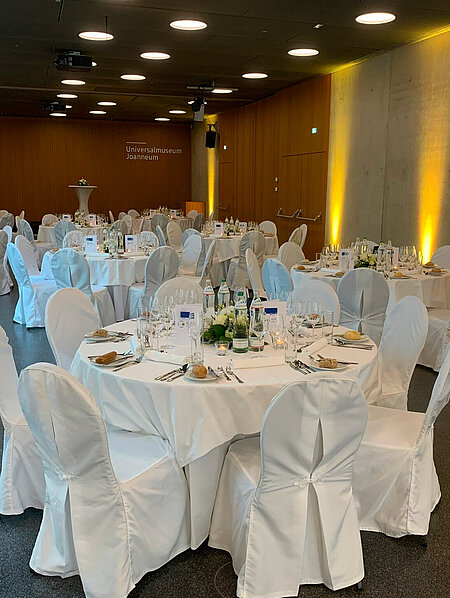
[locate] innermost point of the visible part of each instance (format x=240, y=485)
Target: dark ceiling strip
x=61, y=7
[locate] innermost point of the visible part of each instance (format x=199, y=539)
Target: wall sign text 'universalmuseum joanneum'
x=140, y=150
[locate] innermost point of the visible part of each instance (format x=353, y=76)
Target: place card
x=218, y=229
x=345, y=260
x=173, y=213
x=131, y=243
x=67, y=216
x=90, y=244
x=92, y=220
x=182, y=315
x=275, y=307
x=243, y=227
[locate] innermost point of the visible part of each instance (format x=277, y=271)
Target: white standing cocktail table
x=83, y=192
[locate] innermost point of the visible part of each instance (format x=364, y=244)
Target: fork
x=126, y=365
x=230, y=371
x=224, y=373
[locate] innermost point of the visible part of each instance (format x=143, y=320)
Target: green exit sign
x=314, y=130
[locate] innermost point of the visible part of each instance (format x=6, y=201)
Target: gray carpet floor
x=394, y=567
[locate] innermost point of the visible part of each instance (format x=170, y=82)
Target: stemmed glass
x=195, y=328
x=296, y=310
x=257, y=328
x=275, y=325
x=168, y=319
x=313, y=315
x=403, y=255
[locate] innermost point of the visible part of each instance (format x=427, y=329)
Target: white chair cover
x=438, y=337
x=28, y=255
x=284, y=507
x=148, y=237
x=160, y=235
x=404, y=334
x=207, y=265
x=8, y=230
x=237, y=274
x=161, y=265
x=134, y=214
x=395, y=484
x=22, y=482
x=290, y=254
x=129, y=220
x=192, y=248
x=317, y=290
x=169, y=288
x=49, y=220
x=69, y=315
x=159, y=220
x=3, y=212
x=192, y=214
x=147, y=224
x=61, y=229
x=441, y=256
x=121, y=225
x=4, y=278
x=267, y=226
x=299, y=235
x=199, y=220
x=116, y=502
x=70, y=269
x=275, y=277
x=7, y=220
x=364, y=295
x=254, y=273
x=174, y=235
x=74, y=238
x=187, y=233
x=111, y=217
x=121, y=215
x=24, y=228
x=137, y=225
x=33, y=291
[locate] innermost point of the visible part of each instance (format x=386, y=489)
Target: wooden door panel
x=227, y=190
x=289, y=194
x=313, y=199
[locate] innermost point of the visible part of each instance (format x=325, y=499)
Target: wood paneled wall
x=272, y=139
x=40, y=157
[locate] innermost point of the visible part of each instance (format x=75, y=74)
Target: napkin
x=256, y=362
x=314, y=347
x=166, y=357
x=330, y=270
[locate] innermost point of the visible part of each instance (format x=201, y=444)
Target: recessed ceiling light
x=255, y=75
x=177, y=111
x=94, y=63
x=303, y=52
x=155, y=55
x=96, y=36
x=375, y=18
x=58, y=114
x=73, y=82
x=222, y=90
x=67, y=96
x=97, y=112
x=68, y=106
x=162, y=118
x=188, y=25
x=133, y=77
x=190, y=101
x=106, y=103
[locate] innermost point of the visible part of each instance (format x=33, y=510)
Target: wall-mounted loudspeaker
x=210, y=140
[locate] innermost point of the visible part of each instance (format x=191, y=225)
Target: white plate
x=208, y=378
x=314, y=366
x=101, y=339
x=120, y=360
x=363, y=338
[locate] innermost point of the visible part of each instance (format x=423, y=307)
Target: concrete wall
x=204, y=166
x=389, y=164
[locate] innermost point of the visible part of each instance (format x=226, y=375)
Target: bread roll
x=352, y=335
x=436, y=270
x=106, y=358
x=328, y=363
x=199, y=371
x=300, y=267
x=398, y=274
x=101, y=332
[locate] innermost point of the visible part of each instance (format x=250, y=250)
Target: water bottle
x=208, y=298
x=105, y=241
x=240, y=329
x=120, y=248
x=256, y=334
x=223, y=296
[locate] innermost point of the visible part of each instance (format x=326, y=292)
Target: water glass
x=195, y=328
x=328, y=325
x=290, y=347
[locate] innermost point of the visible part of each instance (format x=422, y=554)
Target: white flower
x=221, y=319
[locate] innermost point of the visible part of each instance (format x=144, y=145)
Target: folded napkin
x=314, y=347
x=330, y=270
x=166, y=357
x=256, y=362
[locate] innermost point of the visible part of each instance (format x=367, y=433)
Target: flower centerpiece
x=366, y=260
x=221, y=328
x=83, y=182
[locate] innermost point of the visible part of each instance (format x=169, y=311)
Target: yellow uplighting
x=210, y=120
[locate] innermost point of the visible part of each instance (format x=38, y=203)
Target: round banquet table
x=433, y=291
x=200, y=419
x=227, y=248
x=117, y=275
x=46, y=234
x=184, y=223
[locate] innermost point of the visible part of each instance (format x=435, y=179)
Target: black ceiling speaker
x=210, y=140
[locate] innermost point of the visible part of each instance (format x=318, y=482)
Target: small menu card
x=90, y=244
x=275, y=307
x=345, y=260
x=92, y=220
x=173, y=213
x=67, y=217
x=243, y=227
x=131, y=243
x=218, y=229
x=182, y=314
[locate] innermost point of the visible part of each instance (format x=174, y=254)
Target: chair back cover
x=137, y=225
x=439, y=397
x=254, y=273
x=74, y=238
x=129, y=221
x=267, y=226
x=299, y=235
x=28, y=255
x=17, y=265
x=364, y=295
x=61, y=229
x=3, y=212
x=7, y=220
x=169, y=288
x=70, y=269
x=404, y=335
x=192, y=214
x=290, y=254
x=174, y=235
x=4, y=279
x=148, y=237
x=161, y=238
x=199, y=220
x=24, y=229
x=275, y=277
x=10, y=411
x=441, y=256
x=121, y=225
x=302, y=515
x=159, y=220
x=69, y=315
x=134, y=214
x=207, y=265
x=71, y=437
x=192, y=248
x=111, y=217
x=255, y=241
x=49, y=220
x=8, y=231
x=317, y=290
x=161, y=265
x=187, y=233
x=121, y=215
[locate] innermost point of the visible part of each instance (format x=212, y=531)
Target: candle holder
x=222, y=347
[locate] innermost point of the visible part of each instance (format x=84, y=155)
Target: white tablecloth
x=199, y=419
x=46, y=234
x=184, y=223
x=434, y=291
x=117, y=275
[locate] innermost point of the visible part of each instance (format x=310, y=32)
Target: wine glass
x=195, y=328
x=275, y=326
x=403, y=255
x=257, y=328
x=313, y=310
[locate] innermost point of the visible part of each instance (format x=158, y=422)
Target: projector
x=54, y=107
x=198, y=108
x=74, y=61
